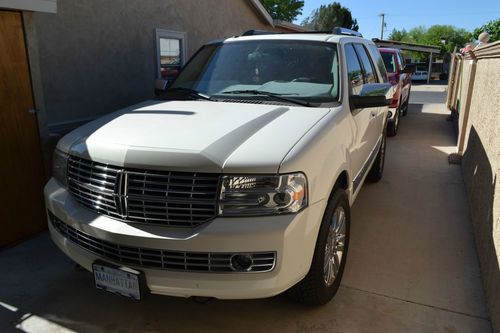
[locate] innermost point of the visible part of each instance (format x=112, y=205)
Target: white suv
x=237, y=182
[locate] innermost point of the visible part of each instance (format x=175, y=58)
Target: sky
x=409, y=14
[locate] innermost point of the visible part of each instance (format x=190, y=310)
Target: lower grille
x=160, y=259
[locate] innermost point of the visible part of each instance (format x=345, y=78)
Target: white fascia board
x=263, y=12
x=43, y=6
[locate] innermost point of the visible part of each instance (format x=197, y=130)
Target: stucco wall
x=97, y=56
x=481, y=170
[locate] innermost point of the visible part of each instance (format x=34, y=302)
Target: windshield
x=390, y=62
x=264, y=69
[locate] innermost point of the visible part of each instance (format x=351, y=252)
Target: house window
x=170, y=52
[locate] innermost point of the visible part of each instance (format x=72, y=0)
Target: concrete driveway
x=412, y=265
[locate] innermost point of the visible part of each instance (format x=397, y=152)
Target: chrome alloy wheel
x=334, y=249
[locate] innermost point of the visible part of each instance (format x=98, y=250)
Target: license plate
x=121, y=281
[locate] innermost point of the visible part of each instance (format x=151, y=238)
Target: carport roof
x=406, y=46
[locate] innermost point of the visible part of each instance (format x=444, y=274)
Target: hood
x=203, y=136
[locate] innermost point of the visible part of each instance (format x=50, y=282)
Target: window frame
x=375, y=52
x=373, y=67
x=349, y=83
x=169, y=34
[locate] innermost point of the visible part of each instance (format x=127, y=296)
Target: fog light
x=241, y=262
x=389, y=114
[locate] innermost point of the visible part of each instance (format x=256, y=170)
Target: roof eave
x=290, y=26
x=263, y=12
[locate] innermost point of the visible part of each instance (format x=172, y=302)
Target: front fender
x=322, y=154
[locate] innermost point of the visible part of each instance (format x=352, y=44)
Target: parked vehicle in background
x=419, y=76
x=400, y=78
x=238, y=181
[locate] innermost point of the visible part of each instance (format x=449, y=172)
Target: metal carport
x=410, y=47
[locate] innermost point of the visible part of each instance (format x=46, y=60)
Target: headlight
x=262, y=195
x=60, y=166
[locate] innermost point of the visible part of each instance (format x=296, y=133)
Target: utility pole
x=382, y=27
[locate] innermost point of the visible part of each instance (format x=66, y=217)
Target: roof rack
x=345, y=31
x=255, y=32
x=335, y=31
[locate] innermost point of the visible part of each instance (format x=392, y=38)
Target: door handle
x=373, y=115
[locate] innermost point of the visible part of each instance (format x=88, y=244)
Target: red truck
x=400, y=77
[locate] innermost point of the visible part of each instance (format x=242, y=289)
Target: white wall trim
x=44, y=6
x=163, y=33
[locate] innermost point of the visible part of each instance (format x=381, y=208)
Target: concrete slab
x=412, y=265
x=412, y=237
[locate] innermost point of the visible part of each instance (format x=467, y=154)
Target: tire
x=377, y=170
x=318, y=288
x=405, y=109
x=393, y=126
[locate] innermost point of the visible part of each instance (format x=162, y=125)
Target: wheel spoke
x=341, y=223
x=336, y=263
x=331, y=272
x=334, y=246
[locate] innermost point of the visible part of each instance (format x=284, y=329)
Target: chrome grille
x=179, y=199
x=160, y=259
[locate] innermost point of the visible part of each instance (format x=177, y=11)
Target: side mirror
x=372, y=95
x=361, y=102
x=161, y=86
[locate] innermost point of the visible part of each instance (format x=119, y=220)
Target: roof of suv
x=320, y=37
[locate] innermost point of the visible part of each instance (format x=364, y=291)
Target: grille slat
x=180, y=199
x=159, y=259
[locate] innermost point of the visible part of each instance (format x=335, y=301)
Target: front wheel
x=323, y=280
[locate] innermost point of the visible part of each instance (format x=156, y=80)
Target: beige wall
x=481, y=169
x=97, y=56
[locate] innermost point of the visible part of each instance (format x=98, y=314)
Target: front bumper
x=291, y=237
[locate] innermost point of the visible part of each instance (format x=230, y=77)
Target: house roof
x=261, y=10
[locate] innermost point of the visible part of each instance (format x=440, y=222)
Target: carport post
x=430, y=68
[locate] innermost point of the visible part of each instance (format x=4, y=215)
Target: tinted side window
x=379, y=62
x=402, y=63
x=354, y=72
x=369, y=72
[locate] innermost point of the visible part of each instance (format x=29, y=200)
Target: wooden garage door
x=21, y=168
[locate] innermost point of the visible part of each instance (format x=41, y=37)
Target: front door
x=21, y=167
x=367, y=123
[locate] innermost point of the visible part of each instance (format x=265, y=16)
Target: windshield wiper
x=191, y=92
x=268, y=94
